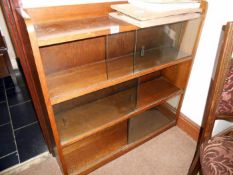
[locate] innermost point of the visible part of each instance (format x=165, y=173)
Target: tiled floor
x=170, y=153
x=20, y=134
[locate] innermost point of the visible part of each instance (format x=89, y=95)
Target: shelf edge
x=123, y=118
x=56, y=100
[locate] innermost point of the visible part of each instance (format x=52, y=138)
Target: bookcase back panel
x=87, y=152
x=68, y=55
x=153, y=37
x=119, y=45
x=85, y=99
x=149, y=77
x=178, y=74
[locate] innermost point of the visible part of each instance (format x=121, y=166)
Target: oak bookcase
x=107, y=86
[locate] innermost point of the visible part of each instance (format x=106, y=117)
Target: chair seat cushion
x=216, y=156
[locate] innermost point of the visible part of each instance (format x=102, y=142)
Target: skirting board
x=183, y=122
x=188, y=126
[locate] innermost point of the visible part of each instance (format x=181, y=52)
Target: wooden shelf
x=82, y=121
x=154, y=91
x=147, y=125
x=74, y=82
x=119, y=70
x=71, y=30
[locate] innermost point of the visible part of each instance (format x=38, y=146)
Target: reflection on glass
x=174, y=102
x=84, y=114
x=152, y=120
x=120, y=54
x=146, y=123
x=160, y=45
x=132, y=52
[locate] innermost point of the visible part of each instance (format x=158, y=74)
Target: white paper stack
x=146, y=13
x=165, y=5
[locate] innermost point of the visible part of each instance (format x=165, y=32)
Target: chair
x=214, y=155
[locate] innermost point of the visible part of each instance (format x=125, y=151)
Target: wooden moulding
x=183, y=122
x=188, y=126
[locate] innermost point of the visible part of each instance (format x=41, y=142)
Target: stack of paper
x=146, y=13
x=165, y=5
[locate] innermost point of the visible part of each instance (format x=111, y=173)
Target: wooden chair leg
x=195, y=165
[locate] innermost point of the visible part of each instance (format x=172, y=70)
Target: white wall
x=5, y=33
x=219, y=12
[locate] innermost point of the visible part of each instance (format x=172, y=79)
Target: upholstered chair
x=214, y=154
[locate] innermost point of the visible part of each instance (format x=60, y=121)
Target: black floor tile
x=7, y=144
x=22, y=114
x=17, y=95
x=8, y=161
x=30, y=142
x=4, y=113
x=2, y=95
x=8, y=82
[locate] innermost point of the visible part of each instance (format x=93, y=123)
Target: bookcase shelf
x=141, y=128
x=105, y=86
x=70, y=30
x=81, y=121
x=103, y=74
